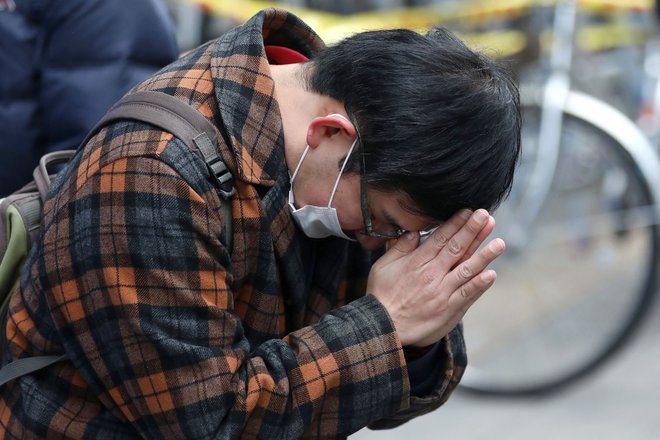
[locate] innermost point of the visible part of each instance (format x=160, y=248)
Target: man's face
x=388, y=214
x=354, y=201
x=387, y=211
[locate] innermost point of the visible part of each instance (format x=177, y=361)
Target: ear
x=324, y=127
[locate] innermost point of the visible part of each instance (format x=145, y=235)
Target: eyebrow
x=388, y=218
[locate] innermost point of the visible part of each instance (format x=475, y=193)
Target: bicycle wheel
x=571, y=292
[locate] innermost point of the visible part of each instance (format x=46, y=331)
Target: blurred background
x=566, y=344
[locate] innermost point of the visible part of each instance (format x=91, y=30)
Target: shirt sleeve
x=450, y=370
x=424, y=370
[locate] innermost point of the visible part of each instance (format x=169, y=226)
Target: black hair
x=438, y=121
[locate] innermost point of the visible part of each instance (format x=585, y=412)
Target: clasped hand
x=428, y=287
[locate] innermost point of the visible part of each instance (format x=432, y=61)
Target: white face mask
x=319, y=221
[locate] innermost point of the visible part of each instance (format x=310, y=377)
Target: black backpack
x=21, y=212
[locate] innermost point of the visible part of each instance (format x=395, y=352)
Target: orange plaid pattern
x=169, y=333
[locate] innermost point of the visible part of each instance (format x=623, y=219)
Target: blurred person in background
x=306, y=326
x=63, y=63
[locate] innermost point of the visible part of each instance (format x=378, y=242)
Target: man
x=290, y=333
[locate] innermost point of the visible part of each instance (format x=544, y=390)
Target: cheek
x=353, y=220
x=348, y=210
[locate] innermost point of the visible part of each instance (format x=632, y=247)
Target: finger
x=485, y=232
x=468, y=293
x=441, y=236
x=459, y=242
x=402, y=247
x=466, y=271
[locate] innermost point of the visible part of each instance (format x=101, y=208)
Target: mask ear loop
x=295, y=172
x=341, y=171
x=348, y=155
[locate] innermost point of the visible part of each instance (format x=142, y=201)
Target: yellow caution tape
x=333, y=27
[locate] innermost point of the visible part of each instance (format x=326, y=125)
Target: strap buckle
x=216, y=165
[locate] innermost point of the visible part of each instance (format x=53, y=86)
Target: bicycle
x=581, y=225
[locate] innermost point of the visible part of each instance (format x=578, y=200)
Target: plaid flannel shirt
x=170, y=334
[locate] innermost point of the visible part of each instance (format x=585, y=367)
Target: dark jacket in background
x=62, y=65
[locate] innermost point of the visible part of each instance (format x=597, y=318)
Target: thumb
x=402, y=247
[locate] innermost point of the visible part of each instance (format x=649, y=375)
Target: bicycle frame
x=622, y=130
x=557, y=97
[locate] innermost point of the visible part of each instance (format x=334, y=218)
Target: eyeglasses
x=364, y=204
x=366, y=215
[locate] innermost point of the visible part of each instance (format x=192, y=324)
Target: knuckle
x=464, y=291
x=465, y=272
x=454, y=247
x=473, y=227
x=427, y=278
x=440, y=239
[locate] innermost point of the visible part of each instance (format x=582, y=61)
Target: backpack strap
x=169, y=114
x=186, y=123
x=182, y=120
x=21, y=367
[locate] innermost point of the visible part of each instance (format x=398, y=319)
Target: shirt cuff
x=424, y=370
